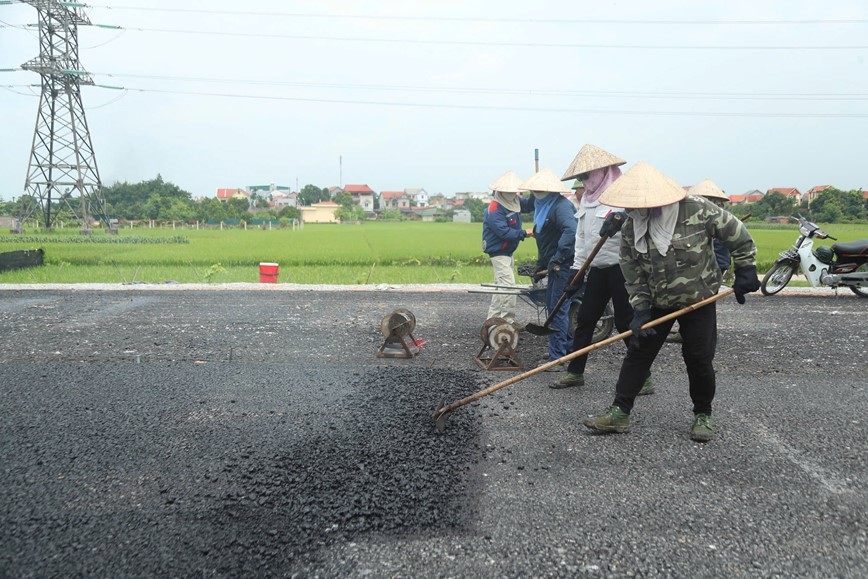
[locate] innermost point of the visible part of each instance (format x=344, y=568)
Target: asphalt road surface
x=241, y=432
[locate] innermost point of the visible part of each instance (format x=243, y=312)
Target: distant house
x=334, y=190
x=812, y=193
x=279, y=201
x=225, y=195
x=362, y=195
x=418, y=195
x=745, y=198
x=790, y=192
x=482, y=196
x=394, y=200
x=461, y=216
x=429, y=214
x=322, y=212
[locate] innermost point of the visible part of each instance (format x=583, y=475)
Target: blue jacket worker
x=554, y=229
x=501, y=233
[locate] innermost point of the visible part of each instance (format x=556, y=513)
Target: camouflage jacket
x=688, y=272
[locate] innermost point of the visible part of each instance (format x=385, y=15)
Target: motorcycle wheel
x=777, y=278
x=862, y=292
x=605, y=324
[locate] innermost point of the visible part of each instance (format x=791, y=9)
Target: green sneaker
x=647, y=387
x=569, y=379
x=613, y=420
x=701, y=430
x=675, y=337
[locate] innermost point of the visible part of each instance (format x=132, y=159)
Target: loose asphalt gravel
x=252, y=431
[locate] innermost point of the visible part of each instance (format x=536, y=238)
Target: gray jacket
x=590, y=219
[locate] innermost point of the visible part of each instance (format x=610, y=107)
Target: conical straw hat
x=588, y=159
x=708, y=188
x=506, y=183
x=545, y=180
x=642, y=186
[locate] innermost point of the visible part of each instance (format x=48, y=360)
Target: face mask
x=540, y=194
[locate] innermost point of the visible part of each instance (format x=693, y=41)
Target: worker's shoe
x=675, y=338
x=647, y=387
x=701, y=431
x=555, y=368
x=567, y=380
x=613, y=420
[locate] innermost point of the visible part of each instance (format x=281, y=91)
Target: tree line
x=160, y=200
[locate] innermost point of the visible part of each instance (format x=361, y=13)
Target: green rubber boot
x=701, y=431
x=613, y=420
x=647, y=387
x=569, y=379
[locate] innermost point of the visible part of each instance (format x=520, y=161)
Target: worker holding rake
x=598, y=224
x=555, y=232
x=668, y=261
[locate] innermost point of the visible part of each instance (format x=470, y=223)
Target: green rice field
x=367, y=253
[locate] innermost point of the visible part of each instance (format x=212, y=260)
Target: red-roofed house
x=790, y=192
x=362, y=195
x=236, y=193
x=749, y=197
x=812, y=193
x=394, y=200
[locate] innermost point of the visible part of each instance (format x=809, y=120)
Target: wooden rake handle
x=440, y=412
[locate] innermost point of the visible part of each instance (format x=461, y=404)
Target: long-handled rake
x=442, y=410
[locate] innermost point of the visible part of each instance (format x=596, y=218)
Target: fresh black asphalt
x=255, y=433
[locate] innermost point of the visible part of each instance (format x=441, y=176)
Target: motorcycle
x=842, y=264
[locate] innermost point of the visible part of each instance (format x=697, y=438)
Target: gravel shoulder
x=162, y=430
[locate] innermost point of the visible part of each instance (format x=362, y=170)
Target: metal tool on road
x=397, y=327
x=500, y=341
x=545, y=330
x=443, y=410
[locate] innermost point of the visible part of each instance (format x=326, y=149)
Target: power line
x=568, y=21
x=505, y=108
x=440, y=42
x=511, y=91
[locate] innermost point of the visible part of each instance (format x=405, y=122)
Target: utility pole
x=535, y=161
x=62, y=161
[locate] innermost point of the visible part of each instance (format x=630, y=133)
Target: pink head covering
x=598, y=181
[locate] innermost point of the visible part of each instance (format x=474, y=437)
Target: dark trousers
x=602, y=284
x=699, y=331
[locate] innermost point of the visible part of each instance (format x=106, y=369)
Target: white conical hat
x=588, y=159
x=708, y=188
x=506, y=183
x=545, y=180
x=642, y=186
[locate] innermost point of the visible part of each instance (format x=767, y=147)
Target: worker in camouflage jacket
x=668, y=261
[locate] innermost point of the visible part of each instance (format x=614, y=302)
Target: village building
x=363, y=196
x=225, y=195
x=322, y=212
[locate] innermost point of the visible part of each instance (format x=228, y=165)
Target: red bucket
x=268, y=272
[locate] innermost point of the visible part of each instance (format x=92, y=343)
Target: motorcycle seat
x=852, y=248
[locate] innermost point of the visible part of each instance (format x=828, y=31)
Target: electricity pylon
x=62, y=162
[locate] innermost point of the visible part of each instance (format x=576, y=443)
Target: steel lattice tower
x=62, y=160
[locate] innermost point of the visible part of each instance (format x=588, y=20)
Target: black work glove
x=640, y=318
x=746, y=281
x=554, y=267
x=612, y=223
x=573, y=289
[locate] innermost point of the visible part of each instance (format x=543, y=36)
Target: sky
x=448, y=95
